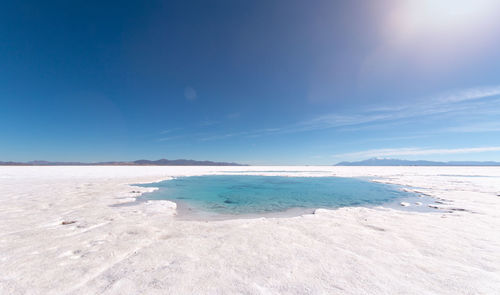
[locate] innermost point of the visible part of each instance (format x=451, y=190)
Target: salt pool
x=251, y=194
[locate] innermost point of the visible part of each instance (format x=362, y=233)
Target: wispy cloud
x=206, y=123
x=473, y=128
x=471, y=94
x=477, y=101
x=168, y=138
x=166, y=131
x=222, y=136
x=458, y=102
x=413, y=152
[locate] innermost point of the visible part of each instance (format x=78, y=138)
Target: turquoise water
x=249, y=194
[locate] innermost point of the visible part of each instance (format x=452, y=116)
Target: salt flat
x=145, y=249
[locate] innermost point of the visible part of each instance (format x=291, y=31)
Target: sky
x=256, y=82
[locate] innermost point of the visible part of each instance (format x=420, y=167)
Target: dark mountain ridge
x=161, y=162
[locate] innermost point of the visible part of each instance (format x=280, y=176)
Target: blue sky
x=257, y=82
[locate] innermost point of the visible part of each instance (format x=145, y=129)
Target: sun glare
x=441, y=34
x=448, y=14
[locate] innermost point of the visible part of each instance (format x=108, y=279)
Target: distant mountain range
x=161, y=162
x=398, y=162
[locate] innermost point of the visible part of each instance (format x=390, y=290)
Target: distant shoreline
x=417, y=163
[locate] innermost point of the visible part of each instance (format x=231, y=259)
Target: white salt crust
x=107, y=248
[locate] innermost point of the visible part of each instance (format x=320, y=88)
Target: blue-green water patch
x=251, y=194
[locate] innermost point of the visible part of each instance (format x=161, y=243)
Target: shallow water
x=251, y=194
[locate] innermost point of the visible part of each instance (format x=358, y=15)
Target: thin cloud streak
x=444, y=104
x=168, y=138
x=474, y=128
x=222, y=136
x=471, y=94
x=462, y=102
x=170, y=130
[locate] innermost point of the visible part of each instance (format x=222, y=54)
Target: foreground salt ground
x=145, y=249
